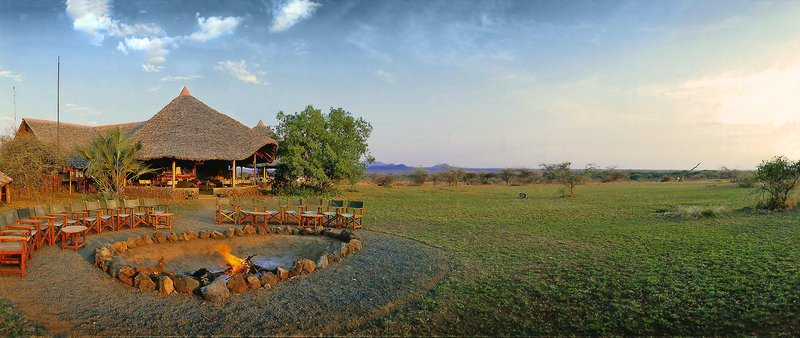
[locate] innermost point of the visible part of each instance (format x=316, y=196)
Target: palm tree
x=111, y=160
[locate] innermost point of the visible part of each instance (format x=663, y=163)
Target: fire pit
x=214, y=264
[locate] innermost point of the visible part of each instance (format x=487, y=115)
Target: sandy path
x=65, y=293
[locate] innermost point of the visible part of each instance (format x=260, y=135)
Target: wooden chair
x=140, y=214
x=332, y=212
x=272, y=206
x=292, y=209
x=353, y=215
x=91, y=219
x=77, y=211
x=246, y=207
x=47, y=224
x=14, y=251
x=61, y=218
x=124, y=215
x=226, y=209
x=313, y=206
x=110, y=217
x=154, y=207
x=21, y=220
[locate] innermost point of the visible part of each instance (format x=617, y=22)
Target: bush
x=419, y=176
x=561, y=172
x=666, y=179
x=611, y=174
x=31, y=163
x=780, y=177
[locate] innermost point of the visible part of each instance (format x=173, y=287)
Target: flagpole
x=58, y=104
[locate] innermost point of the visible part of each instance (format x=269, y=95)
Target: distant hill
x=378, y=167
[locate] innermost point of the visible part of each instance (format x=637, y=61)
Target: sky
x=631, y=84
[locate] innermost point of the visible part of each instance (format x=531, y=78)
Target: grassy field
x=615, y=259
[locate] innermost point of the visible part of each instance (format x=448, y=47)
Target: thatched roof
x=4, y=179
x=188, y=129
x=71, y=135
x=263, y=128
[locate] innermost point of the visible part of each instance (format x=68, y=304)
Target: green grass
x=612, y=260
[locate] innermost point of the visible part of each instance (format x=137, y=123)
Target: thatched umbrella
x=188, y=129
x=5, y=187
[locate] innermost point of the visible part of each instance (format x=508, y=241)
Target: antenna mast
x=14, y=89
x=58, y=104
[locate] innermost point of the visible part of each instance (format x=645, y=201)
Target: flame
x=235, y=264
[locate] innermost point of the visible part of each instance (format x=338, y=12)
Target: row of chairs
x=285, y=211
x=26, y=230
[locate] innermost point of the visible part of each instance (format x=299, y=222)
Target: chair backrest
x=294, y=202
x=224, y=201
x=272, y=204
x=3, y=223
x=112, y=204
x=77, y=206
x=92, y=205
x=314, y=203
x=24, y=213
x=336, y=203
x=356, y=204
x=40, y=210
x=247, y=203
x=131, y=203
x=56, y=208
x=150, y=202
x=10, y=217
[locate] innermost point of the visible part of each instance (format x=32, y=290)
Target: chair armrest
x=340, y=210
x=97, y=213
x=20, y=226
x=126, y=210
x=13, y=238
x=358, y=211
x=166, y=207
x=109, y=211
x=142, y=207
x=30, y=221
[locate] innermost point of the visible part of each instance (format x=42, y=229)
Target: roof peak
x=260, y=123
x=185, y=91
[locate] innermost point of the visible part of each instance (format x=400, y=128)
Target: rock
x=344, y=249
x=147, y=239
x=268, y=278
x=262, y=230
x=165, y=285
x=139, y=242
x=238, y=232
x=307, y=232
x=217, y=235
x=204, y=277
x=131, y=242
x=125, y=275
x=183, y=237
x=205, y=235
x=302, y=266
x=295, y=231
x=354, y=244
x=172, y=238
x=236, y=283
x=253, y=282
x=229, y=233
x=144, y=282
x=249, y=230
x=185, y=284
x=105, y=264
x=157, y=269
x=268, y=286
x=120, y=246
x=322, y=262
x=191, y=234
x=159, y=237
x=101, y=255
x=216, y=291
x=282, y=274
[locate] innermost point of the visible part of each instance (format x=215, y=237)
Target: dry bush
x=31, y=163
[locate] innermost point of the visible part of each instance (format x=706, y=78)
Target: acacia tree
x=419, y=176
x=561, y=172
x=111, y=160
x=779, y=177
x=322, y=148
x=30, y=162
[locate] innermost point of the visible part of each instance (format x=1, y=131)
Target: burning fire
x=235, y=264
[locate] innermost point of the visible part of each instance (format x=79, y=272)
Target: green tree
x=111, y=160
x=561, y=172
x=322, y=148
x=507, y=174
x=779, y=177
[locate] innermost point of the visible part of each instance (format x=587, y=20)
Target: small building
x=5, y=188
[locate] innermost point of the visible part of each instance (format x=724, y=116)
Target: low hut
x=199, y=144
x=5, y=188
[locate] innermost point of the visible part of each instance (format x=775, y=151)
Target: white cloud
x=291, y=13
x=365, y=38
x=9, y=74
x=80, y=110
x=94, y=18
x=385, y=75
x=154, y=89
x=213, y=27
x=151, y=68
x=238, y=70
x=181, y=78
x=156, y=47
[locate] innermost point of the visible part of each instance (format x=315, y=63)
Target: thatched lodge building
x=5, y=188
x=188, y=143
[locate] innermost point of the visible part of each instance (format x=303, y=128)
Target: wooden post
x=173, y=174
x=255, y=170
x=70, y=180
x=234, y=173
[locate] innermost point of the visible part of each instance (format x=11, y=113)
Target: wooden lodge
x=189, y=144
x=5, y=188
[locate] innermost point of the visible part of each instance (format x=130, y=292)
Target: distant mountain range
x=378, y=167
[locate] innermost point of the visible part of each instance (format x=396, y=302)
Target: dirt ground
x=66, y=294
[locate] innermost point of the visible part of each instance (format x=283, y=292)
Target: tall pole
x=58, y=104
x=254, y=169
x=173, y=174
x=234, y=173
x=14, y=89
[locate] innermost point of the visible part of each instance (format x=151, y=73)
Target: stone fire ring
x=156, y=278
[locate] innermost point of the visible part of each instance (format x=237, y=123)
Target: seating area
x=27, y=230
x=302, y=212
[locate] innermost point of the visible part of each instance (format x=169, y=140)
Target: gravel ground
x=64, y=292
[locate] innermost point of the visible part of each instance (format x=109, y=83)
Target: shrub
x=779, y=177
x=611, y=174
x=419, y=176
x=666, y=179
x=30, y=163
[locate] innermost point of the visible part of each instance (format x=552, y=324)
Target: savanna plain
x=617, y=258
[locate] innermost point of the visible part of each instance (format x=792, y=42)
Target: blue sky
x=633, y=84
